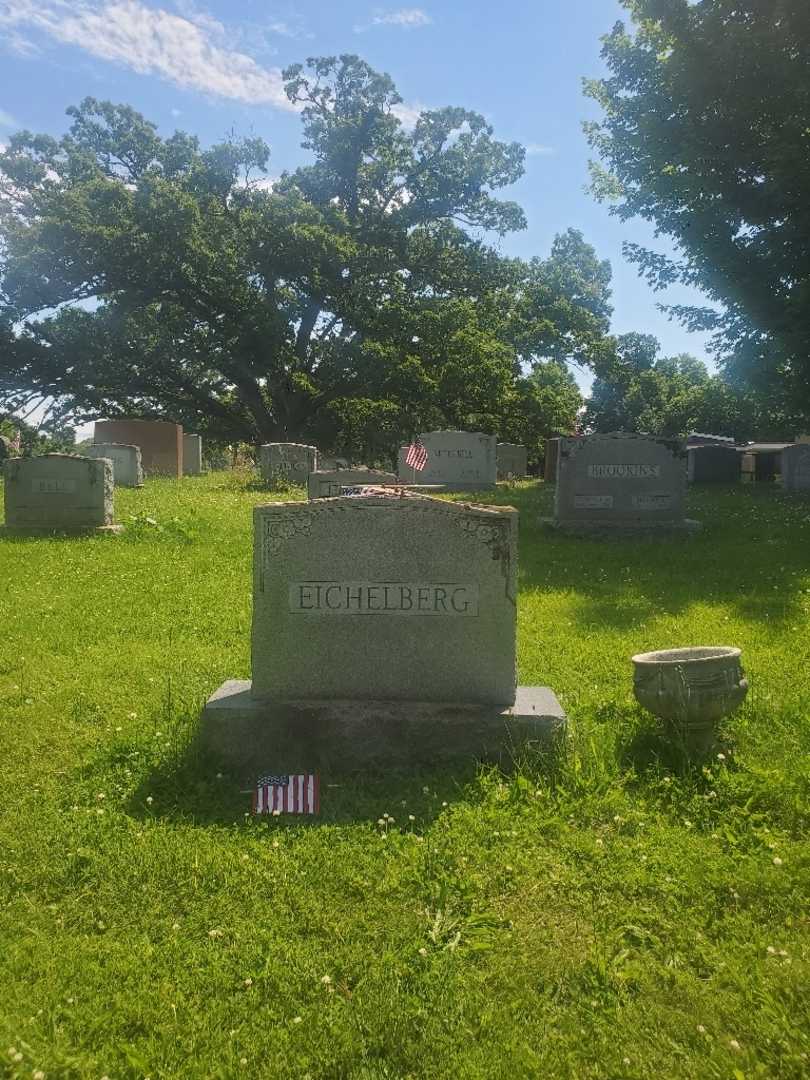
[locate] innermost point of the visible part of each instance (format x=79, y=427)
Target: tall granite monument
x=384, y=631
x=192, y=455
x=59, y=493
x=621, y=481
x=160, y=442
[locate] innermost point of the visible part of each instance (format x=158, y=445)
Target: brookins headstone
x=458, y=460
x=127, y=470
x=621, y=481
x=288, y=462
x=383, y=630
x=326, y=484
x=511, y=461
x=160, y=442
x=796, y=467
x=59, y=493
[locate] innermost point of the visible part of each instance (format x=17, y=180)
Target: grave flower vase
x=690, y=689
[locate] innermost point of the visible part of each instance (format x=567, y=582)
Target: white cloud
x=178, y=48
x=534, y=149
x=6, y=119
x=405, y=18
x=408, y=114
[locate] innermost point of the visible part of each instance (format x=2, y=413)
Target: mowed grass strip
x=604, y=911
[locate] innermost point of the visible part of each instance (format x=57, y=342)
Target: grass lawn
x=609, y=913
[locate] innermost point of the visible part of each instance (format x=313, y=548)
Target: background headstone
x=621, y=480
x=127, y=469
x=59, y=492
x=511, y=461
x=713, y=464
x=459, y=460
x=290, y=462
x=161, y=443
x=192, y=455
x=796, y=467
x=327, y=484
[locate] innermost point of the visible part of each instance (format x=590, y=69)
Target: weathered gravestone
x=383, y=631
x=713, y=464
x=325, y=484
x=59, y=493
x=287, y=462
x=458, y=460
x=511, y=461
x=160, y=443
x=550, y=461
x=127, y=469
x=621, y=481
x=796, y=467
x=192, y=455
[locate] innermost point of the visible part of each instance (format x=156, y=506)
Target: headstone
x=287, y=462
x=713, y=464
x=550, y=462
x=384, y=630
x=796, y=467
x=621, y=481
x=325, y=484
x=458, y=460
x=59, y=493
x=161, y=443
x=127, y=469
x=192, y=455
x=511, y=461
x=5, y=447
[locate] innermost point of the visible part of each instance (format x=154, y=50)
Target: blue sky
x=210, y=67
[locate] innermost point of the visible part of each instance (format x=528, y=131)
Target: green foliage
x=607, y=911
x=705, y=133
x=351, y=302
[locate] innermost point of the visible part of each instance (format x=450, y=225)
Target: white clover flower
x=411, y=817
x=149, y=800
x=248, y=982
x=733, y=1044
x=701, y=1029
x=215, y=933
x=381, y=821
x=423, y=951
x=771, y=950
x=132, y=716
x=326, y=979
x=243, y=1061
x=777, y=861
x=296, y=1019
x=625, y=1061
x=721, y=757
x=38, y=1074
x=175, y=926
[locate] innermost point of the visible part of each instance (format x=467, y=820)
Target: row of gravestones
x=718, y=464
x=456, y=460
x=73, y=492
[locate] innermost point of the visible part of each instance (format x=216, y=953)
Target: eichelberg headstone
x=458, y=460
x=192, y=455
x=59, y=493
x=288, y=462
x=127, y=470
x=384, y=630
x=511, y=461
x=326, y=484
x=621, y=481
x=796, y=467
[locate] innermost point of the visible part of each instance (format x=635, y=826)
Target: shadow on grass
x=751, y=556
x=193, y=786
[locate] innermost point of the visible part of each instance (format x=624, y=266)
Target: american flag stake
x=289, y=793
x=416, y=456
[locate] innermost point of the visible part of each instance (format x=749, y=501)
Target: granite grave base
x=685, y=527
x=62, y=530
x=250, y=735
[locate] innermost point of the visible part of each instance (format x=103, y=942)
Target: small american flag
x=287, y=793
x=416, y=456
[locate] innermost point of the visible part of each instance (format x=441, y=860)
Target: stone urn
x=690, y=689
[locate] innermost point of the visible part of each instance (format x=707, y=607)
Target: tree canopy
x=706, y=133
x=349, y=302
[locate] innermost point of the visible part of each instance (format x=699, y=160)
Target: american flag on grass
x=287, y=793
x=416, y=456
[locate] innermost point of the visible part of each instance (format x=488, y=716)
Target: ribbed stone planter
x=690, y=689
